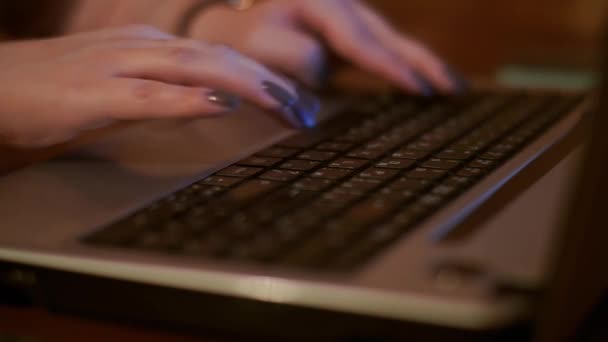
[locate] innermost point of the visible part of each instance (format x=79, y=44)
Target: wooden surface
x=477, y=36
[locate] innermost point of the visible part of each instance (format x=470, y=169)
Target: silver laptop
x=396, y=215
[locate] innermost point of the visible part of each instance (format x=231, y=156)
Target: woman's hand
x=51, y=90
x=290, y=35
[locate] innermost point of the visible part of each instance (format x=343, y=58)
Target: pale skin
x=52, y=90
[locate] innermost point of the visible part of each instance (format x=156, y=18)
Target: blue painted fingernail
x=307, y=107
x=304, y=107
x=280, y=94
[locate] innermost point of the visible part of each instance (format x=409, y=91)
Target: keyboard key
x=335, y=147
x=361, y=185
x=240, y=171
x=317, y=155
x=202, y=191
x=483, y=164
x=380, y=174
x=283, y=200
x=366, y=154
x=348, y=163
x=281, y=175
x=277, y=152
x=394, y=195
x=222, y=181
x=415, y=185
x=411, y=154
x=313, y=184
x=431, y=200
x=455, y=154
x=331, y=173
x=442, y=164
x=260, y=161
x=300, y=165
x=505, y=147
x=423, y=146
x=445, y=190
x=496, y=156
x=392, y=163
x=342, y=197
x=458, y=181
x=426, y=174
x=470, y=172
x=468, y=146
x=250, y=190
x=379, y=145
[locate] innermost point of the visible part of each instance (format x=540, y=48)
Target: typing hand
x=51, y=90
x=289, y=35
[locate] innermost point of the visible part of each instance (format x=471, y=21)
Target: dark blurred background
x=482, y=36
x=478, y=36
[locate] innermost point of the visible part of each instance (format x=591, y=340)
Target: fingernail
x=287, y=102
x=223, y=99
x=461, y=85
x=280, y=94
x=424, y=86
x=307, y=107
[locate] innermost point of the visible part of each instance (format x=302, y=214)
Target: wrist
x=92, y=15
x=193, y=14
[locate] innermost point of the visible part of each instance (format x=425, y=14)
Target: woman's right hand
x=52, y=90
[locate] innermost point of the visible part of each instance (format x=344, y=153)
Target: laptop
x=397, y=217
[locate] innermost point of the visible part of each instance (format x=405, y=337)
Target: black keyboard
x=334, y=196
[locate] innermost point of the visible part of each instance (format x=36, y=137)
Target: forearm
x=94, y=14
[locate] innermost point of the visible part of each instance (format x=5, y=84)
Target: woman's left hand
x=291, y=36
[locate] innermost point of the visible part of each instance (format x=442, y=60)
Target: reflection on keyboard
x=334, y=196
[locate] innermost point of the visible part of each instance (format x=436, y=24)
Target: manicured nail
x=223, y=99
x=288, y=102
x=280, y=94
x=424, y=86
x=461, y=85
x=307, y=107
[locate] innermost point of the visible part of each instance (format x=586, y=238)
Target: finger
x=339, y=24
x=410, y=52
x=133, y=99
x=217, y=68
x=134, y=32
x=293, y=53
